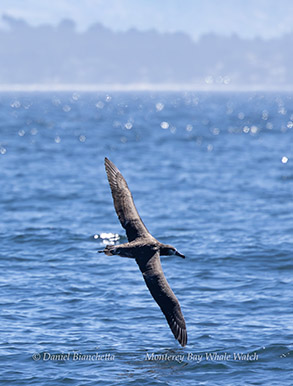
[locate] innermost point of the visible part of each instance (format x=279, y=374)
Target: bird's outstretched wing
x=124, y=205
x=164, y=296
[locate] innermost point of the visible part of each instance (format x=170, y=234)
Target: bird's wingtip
x=183, y=338
x=109, y=163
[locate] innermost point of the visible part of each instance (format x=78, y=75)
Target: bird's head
x=169, y=250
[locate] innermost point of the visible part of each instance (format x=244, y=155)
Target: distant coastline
x=59, y=57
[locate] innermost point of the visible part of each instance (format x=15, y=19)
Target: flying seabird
x=146, y=250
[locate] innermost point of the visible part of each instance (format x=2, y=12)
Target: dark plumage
x=146, y=250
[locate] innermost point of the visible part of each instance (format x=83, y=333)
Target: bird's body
x=146, y=250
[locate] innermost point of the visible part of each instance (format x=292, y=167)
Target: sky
x=246, y=18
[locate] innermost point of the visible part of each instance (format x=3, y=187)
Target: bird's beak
x=179, y=254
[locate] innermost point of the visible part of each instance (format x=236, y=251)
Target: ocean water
x=211, y=174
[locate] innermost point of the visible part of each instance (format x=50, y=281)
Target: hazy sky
x=247, y=18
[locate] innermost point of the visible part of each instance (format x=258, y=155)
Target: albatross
x=146, y=250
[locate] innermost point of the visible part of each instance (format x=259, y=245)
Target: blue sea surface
x=211, y=174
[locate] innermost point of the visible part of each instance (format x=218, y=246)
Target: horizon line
x=127, y=87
